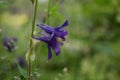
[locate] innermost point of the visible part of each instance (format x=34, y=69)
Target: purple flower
x=18, y=61
x=53, y=37
x=21, y=61
x=9, y=43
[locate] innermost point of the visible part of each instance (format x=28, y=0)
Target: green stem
x=48, y=12
x=33, y=22
x=31, y=41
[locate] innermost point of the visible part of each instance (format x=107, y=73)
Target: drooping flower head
x=53, y=37
x=9, y=43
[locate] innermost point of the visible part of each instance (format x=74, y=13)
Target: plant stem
x=34, y=18
x=29, y=70
x=31, y=41
x=48, y=12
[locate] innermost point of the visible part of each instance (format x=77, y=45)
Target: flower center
x=59, y=39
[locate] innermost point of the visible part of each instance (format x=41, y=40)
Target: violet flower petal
x=46, y=37
x=56, y=49
x=55, y=46
x=46, y=28
x=65, y=24
x=49, y=53
x=40, y=38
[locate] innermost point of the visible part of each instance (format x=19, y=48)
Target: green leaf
x=59, y=15
x=22, y=71
x=54, y=11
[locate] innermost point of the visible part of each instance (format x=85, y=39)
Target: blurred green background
x=92, y=48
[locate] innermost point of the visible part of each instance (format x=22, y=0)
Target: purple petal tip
x=66, y=23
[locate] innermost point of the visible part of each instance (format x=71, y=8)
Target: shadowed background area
x=91, y=50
